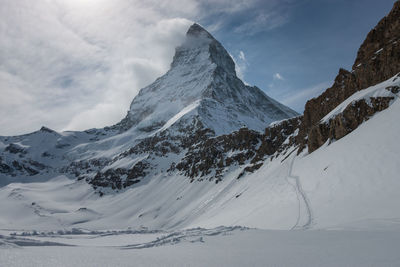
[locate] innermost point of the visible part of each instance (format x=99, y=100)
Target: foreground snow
x=216, y=247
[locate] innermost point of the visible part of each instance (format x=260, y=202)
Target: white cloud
x=78, y=64
x=278, y=76
x=242, y=56
x=240, y=65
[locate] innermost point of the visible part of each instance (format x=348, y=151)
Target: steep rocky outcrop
x=243, y=147
x=377, y=60
x=347, y=121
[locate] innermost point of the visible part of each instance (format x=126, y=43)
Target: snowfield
x=224, y=246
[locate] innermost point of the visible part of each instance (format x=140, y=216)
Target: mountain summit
x=202, y=84
x=199, y=40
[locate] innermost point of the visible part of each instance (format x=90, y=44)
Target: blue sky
x=77, y=64
x=306, y=48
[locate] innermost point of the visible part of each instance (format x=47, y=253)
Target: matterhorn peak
x=198, y=31
x=202, y=85
x=202, y=48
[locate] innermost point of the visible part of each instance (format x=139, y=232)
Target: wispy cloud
x=71, y=65
x=262, y=22
x=278, y=76
x=241, y=65
x=298, y=100
x=242, y=56
x=264, y=16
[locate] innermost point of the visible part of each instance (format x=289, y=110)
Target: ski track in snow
x=299, y=190
x=190, y=235
x=193, y=235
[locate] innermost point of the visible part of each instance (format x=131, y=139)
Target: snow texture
x=222, y=246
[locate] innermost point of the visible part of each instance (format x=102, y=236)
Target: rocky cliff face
x=347, y=121
x=378, y=59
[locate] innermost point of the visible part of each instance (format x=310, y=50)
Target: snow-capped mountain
x=202, y=84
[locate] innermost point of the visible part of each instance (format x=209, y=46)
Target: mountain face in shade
x=202, y=83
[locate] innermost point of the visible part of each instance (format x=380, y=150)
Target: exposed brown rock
x=212, y=154
x=275, y=136
x=377, y=60
x=238, y=148
x=345, y=122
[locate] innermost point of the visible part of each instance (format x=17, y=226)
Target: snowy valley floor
x=223, y=246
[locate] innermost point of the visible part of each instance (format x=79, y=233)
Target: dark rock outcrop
x=15, y=149
x=207, y=156
x=215, y=155
x=347, y=121
x=120, y=178
x=275, y=137
x=378, y=58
